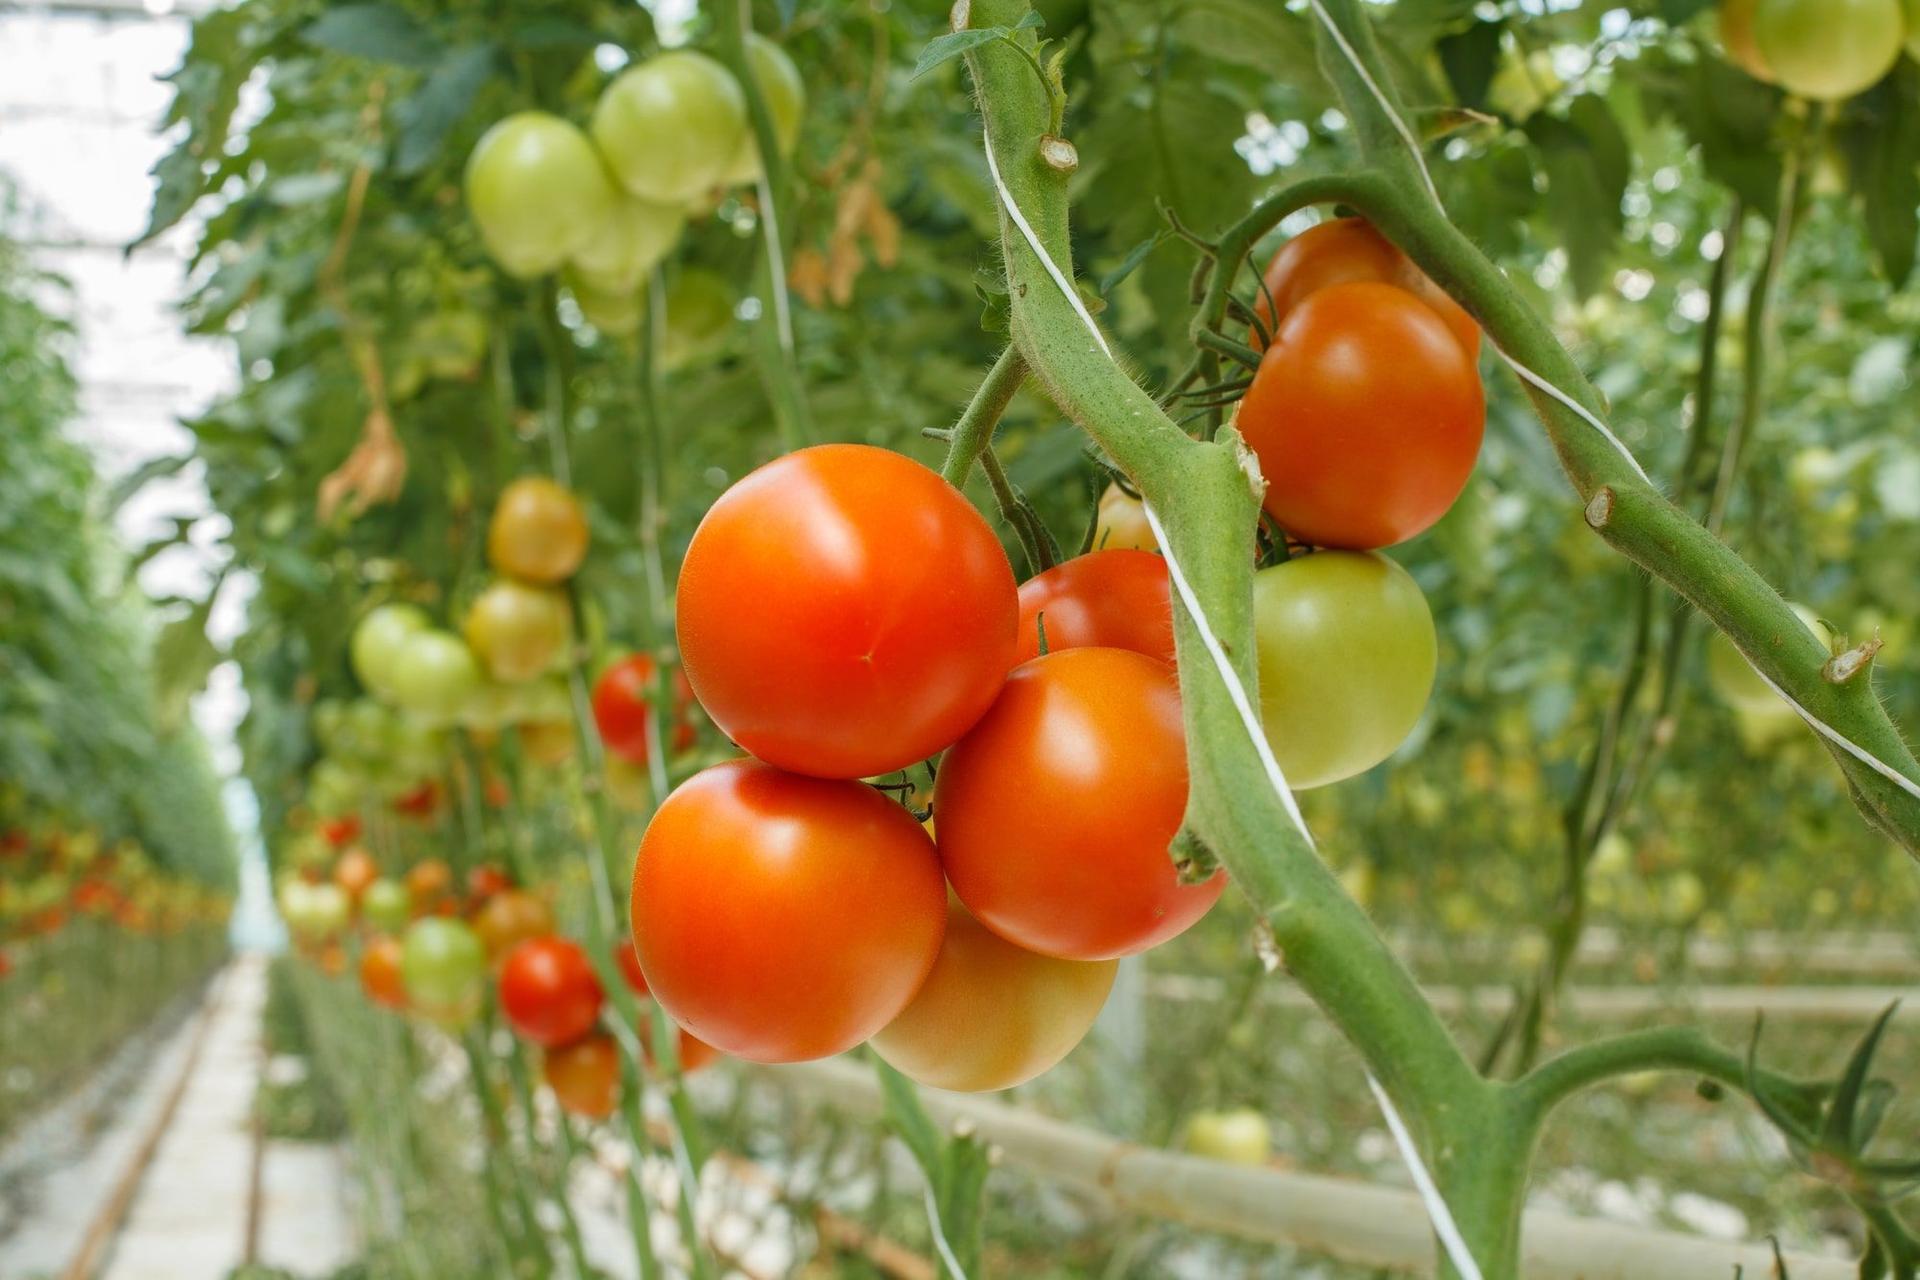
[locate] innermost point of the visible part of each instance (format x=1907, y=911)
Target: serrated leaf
x=442, y=101
x=377, y=31
x=950, y=46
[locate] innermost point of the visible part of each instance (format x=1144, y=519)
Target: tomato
x=486, y=880
x=671, y=127
x=380, y=975
x=780, y=917
x=1366, y=416
x=386, y=904
x=315, y=911
x=419, y=801
x=584, y=1076
x=6, y=966
x=1829, y=49
x=546, y=742
x=445, y=969
x=340, y=831
x=1736, y=34
x=1347, y=655
x=992, y=1015
x=332, y=959
x=1111, y=599
x=435, y=675
x=699, y=316
x=1343, y=251
x=355, y=870
x=785, y=94
x=1120, y=523
x=548, y=991
x=377, y=641
x=509, y=918
x=1057, y=809
x=516, y=631
x=620, y=708
x=613, y=310
x=1911, y=8
x=538, y=192
x=844, y=612
x=690, y=1051
x=1240, y=1136
x=428, y=880
x=538, y=532
x=634, y=240
x=1737, y=683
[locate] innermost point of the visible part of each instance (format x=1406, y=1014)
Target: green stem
x=500, y=1161
x=569, y=1225
x=1660, y=1049
x=974, y=432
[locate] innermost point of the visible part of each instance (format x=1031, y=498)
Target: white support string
x=1046, y=260
x=1588, y=416
x=1839, y=739
x=1380, y=96
x=940, y=1244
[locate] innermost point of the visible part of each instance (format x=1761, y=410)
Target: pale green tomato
x=671, y=126
x=786, y=98
x=314, y=911
x=386, y=904
x=435, y=676
x=613, y=312
x=450, y=344
x=518, y=631
x=1738, y=684
x=1347, y=656
x=333, y=788
x=699, y=314
x=1240, y=1136
x=1736, y=35
x=634, y=240
x=445, y=967
x=377, y=641
x=538, y=192
x=1829, y=49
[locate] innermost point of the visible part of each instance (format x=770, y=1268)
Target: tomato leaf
x=1881, y=140
x=1470, y=58
x=377, y=31
x=950, y=46
x=183, y=656
x=429, y=114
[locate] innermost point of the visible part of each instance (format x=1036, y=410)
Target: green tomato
x=1911, y=9
x=538, y=192
x=377, y=642
x=329, y=725
x=444, y=966
x=450, y=344
x=314, y=911
x=386, y=904
x=435, y=676
x=333, y=788
x=1829, y=49
x=615, y=312
x=699, y=314
x=634, y=240
x=1738, y=684
x=671, y=126
x=786, y=98
x=1736, y=35
x=1347, y=656
x=1240, y=1136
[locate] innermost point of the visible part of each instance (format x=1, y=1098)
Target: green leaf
x=182, y=658
x=1135, y=256
x=950, y=46
x=377, y=31
x=1882, y=144
x=1729, y=115
x=431, y=112
x=1470, y=58
x=1251, y=33
x=1587, y=163
x=148, y=471
x=910, y=1119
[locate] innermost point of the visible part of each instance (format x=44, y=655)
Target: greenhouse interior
x=923, y=640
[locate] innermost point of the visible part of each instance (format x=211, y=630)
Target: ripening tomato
x=584, y=1076
x=1366, y=416
x=1829, y=49
x=620, y=708
x=386, y=904
x=548, y=991
x=1241, y=1136
x=1736, y=34
x=546, y=742
x=419, y=801
x=1056, y=810
x=781, y=917
x=509, y=918
x=844, y=612
x=340, y=831
x=429, y=880
x=445, y=969
x=377, y=641
x=634, y=240
x=1347, y=655
x=1120, y=523
x=355, y=870
x=435, y=676
x=671, y=127
x=380, y=975
x=538, y=192
x=1111, y=599
x=6, y=965
x=1342, y=251
x=517, y=631
x=1735, y=680
x=785, y=94
x=992, y=1015
x=486, y=880
x=538, y=532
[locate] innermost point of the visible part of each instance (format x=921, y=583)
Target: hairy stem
x=1661, y=1049
x=974, y=432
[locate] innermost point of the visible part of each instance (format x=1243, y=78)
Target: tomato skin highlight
x=1055, y=812
x=1344, y=251
x=584, y=1076
x=1110, y=599
x=1366, y=416
x=548, y=991
x=844, y=612
x=781, y=918
x=992, y=1015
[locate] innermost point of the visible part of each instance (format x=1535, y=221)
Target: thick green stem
x=1660, y=1049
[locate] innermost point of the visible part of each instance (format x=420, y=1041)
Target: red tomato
x=781, y=918
x=629, y=961
x=340, y=831
x=486, y=880
x=620, y=708
x=380, y=975
x=584, y=1076
x=1343, y=251
x=845, y=612
x=421, y=802
x=1366, y=416
x=1113, y=599
x=548, y=991
x=1055, y=812
x=6, y=964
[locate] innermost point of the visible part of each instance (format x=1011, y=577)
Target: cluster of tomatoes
x=605, y=205
x=51, y=874
x=1822, y=49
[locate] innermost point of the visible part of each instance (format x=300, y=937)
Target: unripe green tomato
x=444, y=964
x=1347, y=656
x=386, y=904
x=329, y=718
x=377, y=641
x=451, y=343
x=1240, y=1136
x=329, y=908
x=333, y=788
x=699, y=314
x=435, y=676
x=1829, y=49
x=1736, y=35
x=671, y=126
x=1738, y=684
x=538, y=192
x=632, y=243
x=615, y=312
x=785, y=94
x=518, y=631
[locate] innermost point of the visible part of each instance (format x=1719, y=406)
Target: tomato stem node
x=1600, y=507
x=1843, y=667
